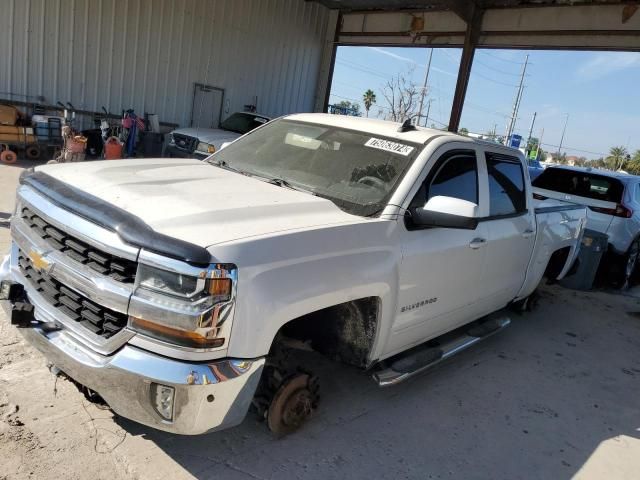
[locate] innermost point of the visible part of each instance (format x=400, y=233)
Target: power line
x=486, y=52
x=457, y=61
x=496, y=70
x=564, y=147
x=355, y=66
x=494, y=81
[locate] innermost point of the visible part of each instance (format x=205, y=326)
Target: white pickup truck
x=178, y=290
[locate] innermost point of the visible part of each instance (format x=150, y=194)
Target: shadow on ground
x=536, y=401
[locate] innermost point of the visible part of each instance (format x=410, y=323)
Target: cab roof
x=372, y=125
x=391, y=129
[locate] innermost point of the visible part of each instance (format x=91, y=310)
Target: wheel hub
x=292, y=404
x=297, y=408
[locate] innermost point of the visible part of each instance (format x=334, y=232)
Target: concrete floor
x=553, y=396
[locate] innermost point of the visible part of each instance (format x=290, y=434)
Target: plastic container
x=112, y=149
x=592, y=247
x=47, y=127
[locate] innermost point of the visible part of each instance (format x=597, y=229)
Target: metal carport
x=521, y=24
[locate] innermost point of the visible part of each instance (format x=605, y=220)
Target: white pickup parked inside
x=360, y=238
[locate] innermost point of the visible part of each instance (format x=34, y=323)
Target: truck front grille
x=96, y=318
x=120, y=269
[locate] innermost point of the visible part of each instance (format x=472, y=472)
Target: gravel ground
x=553, y=396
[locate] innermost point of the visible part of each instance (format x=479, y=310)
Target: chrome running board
x=421, y=358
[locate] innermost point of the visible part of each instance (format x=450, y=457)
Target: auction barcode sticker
x=389, y=146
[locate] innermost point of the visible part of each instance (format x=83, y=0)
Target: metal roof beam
x=581, y=27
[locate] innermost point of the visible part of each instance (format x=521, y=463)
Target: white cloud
x=410, y=61
x=603, y=64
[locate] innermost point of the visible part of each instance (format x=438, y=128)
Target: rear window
x=506, y=185
x=583, y=184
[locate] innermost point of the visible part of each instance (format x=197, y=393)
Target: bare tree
x=402, y=97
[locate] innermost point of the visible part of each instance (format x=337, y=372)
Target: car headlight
x=206, y=148
x=172, y=141
x=170, y=283
x=183, y=309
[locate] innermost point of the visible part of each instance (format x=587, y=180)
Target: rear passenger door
x=510, y=229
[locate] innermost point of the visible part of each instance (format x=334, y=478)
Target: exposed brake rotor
x=292, y=404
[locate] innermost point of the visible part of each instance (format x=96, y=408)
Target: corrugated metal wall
x=147, y=54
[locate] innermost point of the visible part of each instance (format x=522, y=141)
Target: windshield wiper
x=281, y=182
x=226, y=166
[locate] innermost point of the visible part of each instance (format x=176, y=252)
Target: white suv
x=614, y=209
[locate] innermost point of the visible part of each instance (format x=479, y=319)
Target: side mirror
x=446, y=212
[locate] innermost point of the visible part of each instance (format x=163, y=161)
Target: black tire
x=624, y=271
x=33, y=152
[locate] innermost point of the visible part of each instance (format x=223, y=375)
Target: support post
x=472, y=34
x=327, y=63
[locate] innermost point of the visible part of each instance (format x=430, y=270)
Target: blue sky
x=599, y=90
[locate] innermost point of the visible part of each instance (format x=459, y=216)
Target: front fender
x=286, y=276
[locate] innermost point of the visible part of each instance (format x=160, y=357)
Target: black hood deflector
x=131, y=229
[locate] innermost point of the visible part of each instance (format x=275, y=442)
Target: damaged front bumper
x=196, y=397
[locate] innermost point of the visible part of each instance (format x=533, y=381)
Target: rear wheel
x=622, y=271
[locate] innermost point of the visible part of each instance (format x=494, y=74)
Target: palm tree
x=634, y=164
x=369, y=98
x=617, y=158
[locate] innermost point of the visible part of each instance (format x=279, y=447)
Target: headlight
x=183, y=309
x=167, y=282
x=206, y=148
x=172, y=140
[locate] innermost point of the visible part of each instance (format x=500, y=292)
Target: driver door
x=441, y=267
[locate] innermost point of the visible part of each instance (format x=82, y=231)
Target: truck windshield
x=581, y=183
x=357, y=171
x=243, y=122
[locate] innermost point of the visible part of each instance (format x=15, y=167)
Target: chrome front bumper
x=208, y=396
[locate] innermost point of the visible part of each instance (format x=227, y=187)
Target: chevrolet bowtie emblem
x=38, y=261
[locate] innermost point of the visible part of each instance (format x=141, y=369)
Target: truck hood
x=208, y=135
x=197, y=202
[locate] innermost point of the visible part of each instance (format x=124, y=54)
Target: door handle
x=477, y=243
x=528, y=232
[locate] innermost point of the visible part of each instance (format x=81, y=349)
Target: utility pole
x=516, y=102
x=566, y=120
x=533, y=121
x=426, y=118
x=540, y=144
x=424, y=87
